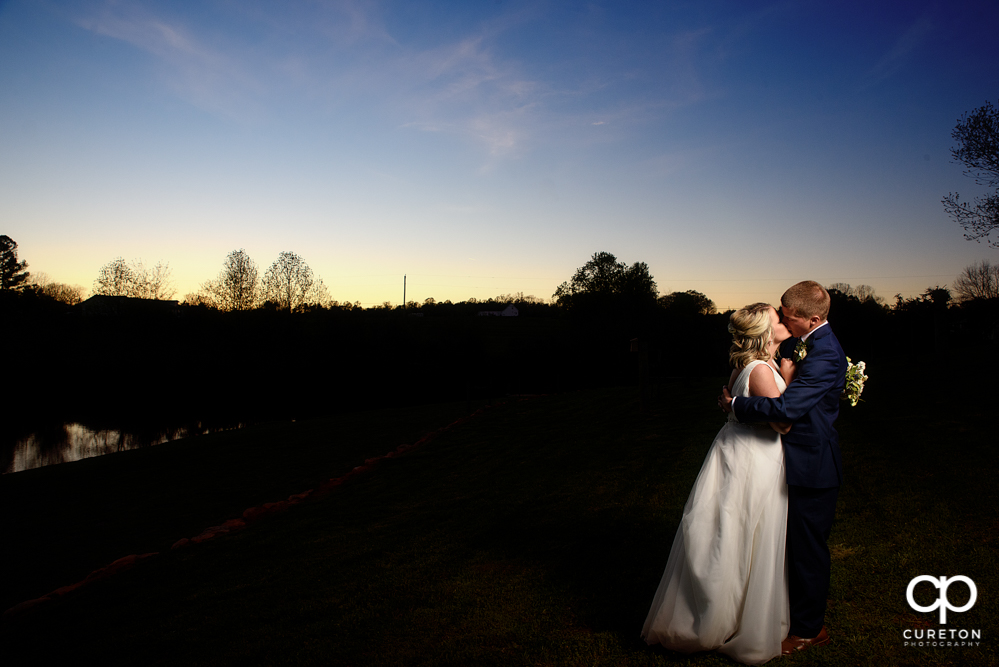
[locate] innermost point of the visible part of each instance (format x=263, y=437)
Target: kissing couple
x=748, y=573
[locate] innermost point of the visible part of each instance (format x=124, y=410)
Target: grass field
x=534, y=534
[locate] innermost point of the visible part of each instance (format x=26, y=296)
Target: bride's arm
x=780, y=427
x=788, y=370
x=762, y=383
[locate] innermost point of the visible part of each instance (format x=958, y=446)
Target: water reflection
x=60, y=443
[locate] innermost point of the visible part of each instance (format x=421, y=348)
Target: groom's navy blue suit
x=814, y=471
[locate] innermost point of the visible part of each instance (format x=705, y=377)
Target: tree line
x=288, y=284
x=246, y=351
x=252, y=345
x=245, y=361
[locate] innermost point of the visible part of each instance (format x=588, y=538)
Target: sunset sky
x=484, y=148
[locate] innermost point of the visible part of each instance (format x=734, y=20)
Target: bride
x=725, y=585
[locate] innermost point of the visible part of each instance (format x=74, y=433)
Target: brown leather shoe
x=794, y=643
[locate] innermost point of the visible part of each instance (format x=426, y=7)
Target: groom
x=811, y=455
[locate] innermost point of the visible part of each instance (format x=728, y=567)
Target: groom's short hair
x=807, y=299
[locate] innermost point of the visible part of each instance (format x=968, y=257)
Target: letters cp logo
x=942, y=602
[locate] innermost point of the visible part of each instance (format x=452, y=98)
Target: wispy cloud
x=896, y=58
x=464, y=88
x=341, y=55
x=206, y=75
x=474, y=89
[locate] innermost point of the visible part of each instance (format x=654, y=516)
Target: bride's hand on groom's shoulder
x=788, y=370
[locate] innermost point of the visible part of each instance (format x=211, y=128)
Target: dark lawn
x=534, y=534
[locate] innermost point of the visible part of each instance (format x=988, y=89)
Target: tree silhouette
x=977, y=135
x=690, y=302
x=290, y=283
x=68, y=294
x=977, y=281
x=934, y=299
x=12, y=272
x=238, y=285
x=603, y=280
x=119, y=278
x=152, y=283
x=862, y=293
x=116, y=278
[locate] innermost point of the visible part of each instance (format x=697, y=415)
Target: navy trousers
x=809, y=519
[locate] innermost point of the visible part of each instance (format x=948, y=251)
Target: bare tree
x=116, y=278
x=862, y=293
x=12, y=272
x=978, y=281
x=977, y=135
x=153, y=283
x=202, y=297
x=238, y=285
x=290, y=283
x=69, y=294
x=119, y=278
x=518, y=298
x=867, y=293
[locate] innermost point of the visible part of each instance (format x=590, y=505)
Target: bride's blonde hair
x=752, y=332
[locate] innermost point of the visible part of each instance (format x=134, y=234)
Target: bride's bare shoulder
x=762, y=383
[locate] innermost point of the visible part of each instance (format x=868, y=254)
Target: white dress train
x=725, y=585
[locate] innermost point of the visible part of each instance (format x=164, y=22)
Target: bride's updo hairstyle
x=751, y=331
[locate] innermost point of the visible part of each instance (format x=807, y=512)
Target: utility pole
x=404, y=292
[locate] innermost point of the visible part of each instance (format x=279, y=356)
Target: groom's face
x=798, y=326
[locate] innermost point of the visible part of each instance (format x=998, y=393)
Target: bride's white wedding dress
x=725, y=585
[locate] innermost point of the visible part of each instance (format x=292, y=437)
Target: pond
x=73, y=441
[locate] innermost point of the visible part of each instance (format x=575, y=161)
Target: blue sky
x=489, y=148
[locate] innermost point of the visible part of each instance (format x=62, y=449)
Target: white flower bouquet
x=855, y=380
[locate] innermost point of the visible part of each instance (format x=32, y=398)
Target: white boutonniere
x=855, y=380
x=800, y=351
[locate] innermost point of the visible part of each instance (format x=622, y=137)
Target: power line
x=443, y=275
x=744, y=280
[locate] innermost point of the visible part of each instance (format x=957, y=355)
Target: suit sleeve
x=817, y=376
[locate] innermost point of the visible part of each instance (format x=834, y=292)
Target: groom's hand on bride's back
x=725, y=400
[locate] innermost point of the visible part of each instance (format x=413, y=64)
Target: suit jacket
x=811, y=404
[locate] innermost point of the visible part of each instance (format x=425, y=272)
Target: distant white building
x=509, y=311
